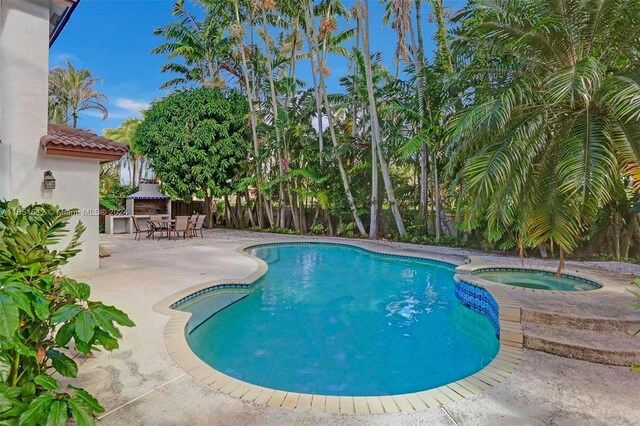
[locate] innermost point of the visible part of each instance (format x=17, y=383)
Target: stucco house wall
x=24, y=67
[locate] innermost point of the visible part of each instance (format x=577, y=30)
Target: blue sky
x=113, y=38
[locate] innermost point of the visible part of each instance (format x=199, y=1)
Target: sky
x=114, y=38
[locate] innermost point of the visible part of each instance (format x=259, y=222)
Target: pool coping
x=506, y=361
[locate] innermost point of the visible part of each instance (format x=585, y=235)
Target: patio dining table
x=161, y=224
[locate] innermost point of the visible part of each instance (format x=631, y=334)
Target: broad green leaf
x=108, y=342
x=83, y=347
x=41, y=308
x=47, y=382
x=85, y=326
x=62, y=363
x=93, y=403
x=36, y=409
x=105, y=322
x=21, y=299
x=5, y=403
x=80, y=290
x=57, y=414
x=64, y=334
x=9, y=316
x=5, y=367
x=65, y=313
x=81, y=412
x=28, y=389
x=117, y=315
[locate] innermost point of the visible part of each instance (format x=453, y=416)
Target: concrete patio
x=140, y=384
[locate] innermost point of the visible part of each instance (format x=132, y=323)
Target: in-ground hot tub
x=536, y=279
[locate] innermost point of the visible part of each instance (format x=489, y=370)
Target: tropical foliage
x=520, y=130
x=133, y=163
x=196, y=141
x=555, y=129
x=71, y=91
x=46, y=317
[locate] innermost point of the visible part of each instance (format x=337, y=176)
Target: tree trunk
x=616, y=235
x=274, y=108
x=561, y=264
x=303, y=215
x=343, y=173
x=627, y=235
x=239, y=211
x=293, y=205
x=207, y=209
x=330, y=231
x=424, y=170
x=253, y=119
x=252, y=221
x=230, y=214
x=375, y=126
x=436, y=189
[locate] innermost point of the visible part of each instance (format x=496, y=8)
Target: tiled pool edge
x=506, y=361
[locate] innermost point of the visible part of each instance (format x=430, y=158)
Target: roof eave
x=102, y=155
x=63, y=20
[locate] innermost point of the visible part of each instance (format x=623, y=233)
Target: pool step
x=623, y=324
x=202, y=308
x=603, y=347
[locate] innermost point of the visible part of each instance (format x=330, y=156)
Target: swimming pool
x=339, y=320
x=537, y=280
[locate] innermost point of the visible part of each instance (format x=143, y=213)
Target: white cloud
x=91, y=113
x=131, y=105
x=112, y=114
x=61, y=59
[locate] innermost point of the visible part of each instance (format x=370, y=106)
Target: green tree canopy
x=556, y=127
x=196, y=140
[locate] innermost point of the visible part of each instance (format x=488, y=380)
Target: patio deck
x=140, y=383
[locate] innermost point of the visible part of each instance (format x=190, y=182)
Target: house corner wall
x=24, y=71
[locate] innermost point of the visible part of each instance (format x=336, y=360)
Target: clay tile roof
x=70, y=142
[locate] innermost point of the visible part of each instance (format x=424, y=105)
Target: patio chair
x=182, y=224
x=157, y=227
x=138, y=230
x=197, y=225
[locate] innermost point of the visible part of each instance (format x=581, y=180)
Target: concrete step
x=603, y=347
x=594, y=323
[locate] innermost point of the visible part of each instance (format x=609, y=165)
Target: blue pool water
x=337, y=320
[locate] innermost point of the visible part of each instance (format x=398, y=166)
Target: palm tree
x=71, y=91
x=555, y=119
x=201, y=45
x=237, y=32
x=362, y=11
x=316, y=53
x=133, y=161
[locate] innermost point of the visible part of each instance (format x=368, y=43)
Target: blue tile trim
x=539, y=271
x=398, y=256
x=210, y=289
x=480, y=300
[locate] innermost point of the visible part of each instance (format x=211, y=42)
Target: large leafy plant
x=553, y=118
x=42, y=313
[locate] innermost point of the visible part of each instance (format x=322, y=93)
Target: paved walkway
x=140, y=384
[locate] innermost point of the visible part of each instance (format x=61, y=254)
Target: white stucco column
x=24, y=73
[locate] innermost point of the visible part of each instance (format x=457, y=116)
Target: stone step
x=603, y=347
x=594, y=323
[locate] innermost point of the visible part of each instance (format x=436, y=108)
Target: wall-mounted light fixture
x=49, y=180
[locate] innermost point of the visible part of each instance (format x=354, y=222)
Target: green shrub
x=41, y=313
x=318, y=229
